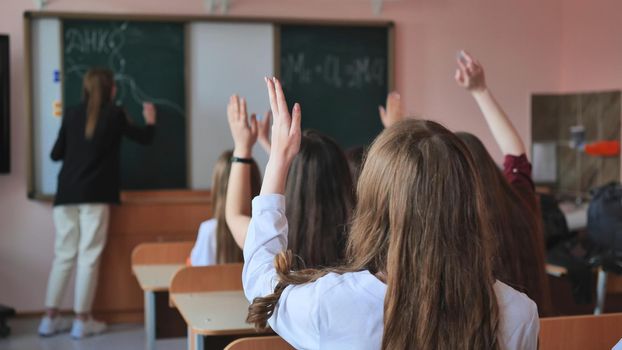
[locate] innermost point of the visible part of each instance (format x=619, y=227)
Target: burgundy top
x=517, y=171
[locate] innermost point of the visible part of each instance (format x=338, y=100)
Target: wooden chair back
x=213, y=278
x=580, y=332
x=161, y=253
x=259, y=343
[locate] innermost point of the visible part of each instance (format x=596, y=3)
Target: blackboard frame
x=277, y=22
x=5, y=105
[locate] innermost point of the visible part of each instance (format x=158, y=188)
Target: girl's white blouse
x=346, y=311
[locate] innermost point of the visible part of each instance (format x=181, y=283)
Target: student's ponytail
x=97, y=91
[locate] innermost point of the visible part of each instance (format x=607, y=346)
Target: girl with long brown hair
x=88, y=143
x=510, y=194
x=319, y=190
x=215, y=244
x=418, y=272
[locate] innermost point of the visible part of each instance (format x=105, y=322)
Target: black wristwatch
x=241, y=160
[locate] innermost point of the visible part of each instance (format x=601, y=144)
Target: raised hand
x=285, y=127
x=286, y=137
x=264, y=131
x=470, y=73
x=243, y=131
x=149, y=113
x=393, y=112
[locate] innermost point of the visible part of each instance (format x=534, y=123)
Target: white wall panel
x=46, y=61
x=224, y=58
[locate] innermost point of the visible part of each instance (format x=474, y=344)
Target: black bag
x=604, y=225
x=604, y=217
x=5, y=312
x=554, y=222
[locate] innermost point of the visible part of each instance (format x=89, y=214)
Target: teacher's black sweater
x=90, y=171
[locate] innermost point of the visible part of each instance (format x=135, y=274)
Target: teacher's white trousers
x=81, y=232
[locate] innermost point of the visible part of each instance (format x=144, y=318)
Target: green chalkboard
x=148, y=61
x=339, y=75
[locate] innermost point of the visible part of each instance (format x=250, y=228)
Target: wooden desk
x=213, y=313
x=144, y=216
x=211, y=302
x=155, y=277
x=152, y=279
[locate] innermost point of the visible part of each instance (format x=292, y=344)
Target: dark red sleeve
x=517, y=171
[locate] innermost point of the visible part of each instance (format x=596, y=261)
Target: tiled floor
x=119, y=337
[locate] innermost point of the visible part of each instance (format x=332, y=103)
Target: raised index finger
x=280, y=98
x=392, y=100
x=271, y=94
x=231, y=108
x=462, y=66
x=243, y=113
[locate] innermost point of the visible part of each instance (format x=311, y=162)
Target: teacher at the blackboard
x=89, y=144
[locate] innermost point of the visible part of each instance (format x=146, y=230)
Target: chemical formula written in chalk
x=333, y=71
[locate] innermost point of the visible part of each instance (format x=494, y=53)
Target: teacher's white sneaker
x=82, y=329
x=51, y=326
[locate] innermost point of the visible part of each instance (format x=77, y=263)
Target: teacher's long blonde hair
x=97, y=87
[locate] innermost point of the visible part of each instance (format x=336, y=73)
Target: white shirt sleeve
x=204, y=251
x=266, y=237
x=295, y=317
x=519, y=321
x=526, y=337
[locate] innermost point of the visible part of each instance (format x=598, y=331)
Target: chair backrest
x=207, y=278
x=161, y=253
x=259, y=343
x=580, y=332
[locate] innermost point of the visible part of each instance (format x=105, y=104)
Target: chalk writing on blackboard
x=109, y=43
x=333, y=71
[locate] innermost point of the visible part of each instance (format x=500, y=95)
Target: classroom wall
x=591, y=45
x=518, y=41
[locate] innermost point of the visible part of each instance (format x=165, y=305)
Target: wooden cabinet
x=149, y=216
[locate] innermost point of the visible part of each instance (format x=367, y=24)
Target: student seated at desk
x=519, y=259
x=215, y=244
x=319, y=191
x=418, y=272
x=510, y=194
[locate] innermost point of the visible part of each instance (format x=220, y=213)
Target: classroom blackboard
x=149, y=64
x=339, y=75
x=340, y=71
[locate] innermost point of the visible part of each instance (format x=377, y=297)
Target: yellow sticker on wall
x=57, y=108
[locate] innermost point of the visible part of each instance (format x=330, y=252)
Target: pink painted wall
x=518, y=41
x=591, y=45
